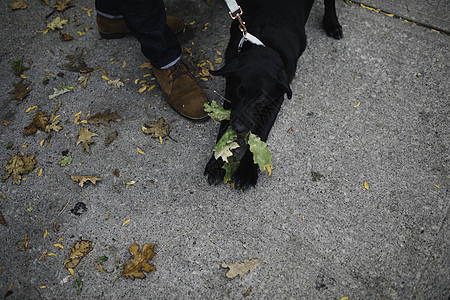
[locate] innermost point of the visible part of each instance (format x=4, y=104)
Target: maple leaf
x=63, y=5
x=241, y=268
x=79, y=250
x=76, y=64
x=40, y=122
x=18, y=165
x=139, y=263
x=20, y=91
x=21, y=4
x=225, y=145
x=104, y=118
x=84, y=136
x=158, y=129
x=82, y=179
x=216, y=112
x=261, y=155
x=57, y=23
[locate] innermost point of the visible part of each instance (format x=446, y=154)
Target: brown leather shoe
x=181, y=91
x=116, y=28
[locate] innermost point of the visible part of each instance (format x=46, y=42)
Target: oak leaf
x=57, y=23
x=158, y=129
x=84, y=136
x=241, y=268
x=40, y=122
x=20, y=91
x=225, y=145
x=18, y=165
x=139, y=263
x=21, y=4
x=104, y=118
x=63, y=88
x=79, y=250
x=261, y=155
x=82, y=179
x=216, y=112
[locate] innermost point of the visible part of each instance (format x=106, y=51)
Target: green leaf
x=102, y=258
x=225, y=145
x=18, y=67
x=57, y=23
x=9, y=145
x=230, y=167
x=216, y=112
x=63, y=88
x=79, y=285
x=261, y=155
x=66, y=160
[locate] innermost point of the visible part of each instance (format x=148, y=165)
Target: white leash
x=236, y=13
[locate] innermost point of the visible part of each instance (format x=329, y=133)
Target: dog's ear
x=228, y=69
x=283, y=82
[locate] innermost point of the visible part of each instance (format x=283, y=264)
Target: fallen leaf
x=18, y=67
x=2, y=220
x=111, y=137
x=19, y=165
x=130, y=183
x=63, y=5
x=20, y=91
x=117, y=83
x=158, y=129
x=82, y=179
x=65, y=36
x=43, y=254
x=145, y=65
x=139, y=263
x=99, y=266
x=79, y=250
x=77, y=64
x=39, y=122
x=126, y=222
x=261, y=155
x=65, y=160
x=72, y=272
x=241, y=268
x=63, y=88
x=230, y=167
x=216, y=112
x=57, y=23
x=225, y=145
x=58, y=245
x=140, y=151
x=248, y=292
x=40, y=172
x=104, y=118
x=84, y=136
x=21, y=4
x=83, y=80
x=366, y=185
x=53, y=126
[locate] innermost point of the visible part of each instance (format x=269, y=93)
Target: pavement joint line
x=388, y=14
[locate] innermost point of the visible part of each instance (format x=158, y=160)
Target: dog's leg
x=246, y=174
x=330, y=20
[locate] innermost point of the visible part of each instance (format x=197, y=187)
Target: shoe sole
x=117, y=35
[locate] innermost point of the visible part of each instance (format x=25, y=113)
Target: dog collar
x=250, y=38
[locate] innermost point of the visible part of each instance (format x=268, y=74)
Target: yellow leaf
x=142, y=89
x=30, y=108
x=23, y=76
x=151, y=88
x=46, y=30
x=344, y=298
x=45, y=234
x=84, y=121
x=366, y=185
x=356, y=105
x=88, y=114
x=218, y=52
x=58, y=245
x=104, y=77
x=140, y=151
x=51, y=254
x=192, y=23
x=78, y=113
x=160, y=140
x=56, y=117
x=60, y=239
x=77, y=118
x=437, y=186
x=126, y=222
x=42, y=287
x=24, y=146
x=40, y=172
x=107, y=218
x=71, y=271
x=124, y=64
x=42, y=142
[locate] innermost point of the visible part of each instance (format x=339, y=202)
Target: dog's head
x=256, y=83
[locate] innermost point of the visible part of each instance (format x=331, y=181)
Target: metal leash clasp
x=237, y=15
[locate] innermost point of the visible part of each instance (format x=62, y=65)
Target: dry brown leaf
x=63, y=5
x=99, y=266
x=104, y=118
x=79, y=250
x=53, y=126
x=65, y=36
x=84, y=136
x=82, y=179
x=18, y=165
x=241, y=268
x=83, y=79
x=21, y=4
x=248, y=292
x=76, y=64
x=40, y=122
x=2, y=220
x=20, y=91
x=139, y=263
x=158, y=129
x=111, y=137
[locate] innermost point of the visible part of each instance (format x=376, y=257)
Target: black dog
x=257, y=77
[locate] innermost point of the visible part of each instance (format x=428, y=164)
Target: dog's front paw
x=333, y=29
x=246, y=174
x=214, y=171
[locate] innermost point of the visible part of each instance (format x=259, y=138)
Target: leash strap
x=236, y=13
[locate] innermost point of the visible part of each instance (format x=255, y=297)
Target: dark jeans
x=146, y=20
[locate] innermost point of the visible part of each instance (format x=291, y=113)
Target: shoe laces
x=177, y=71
